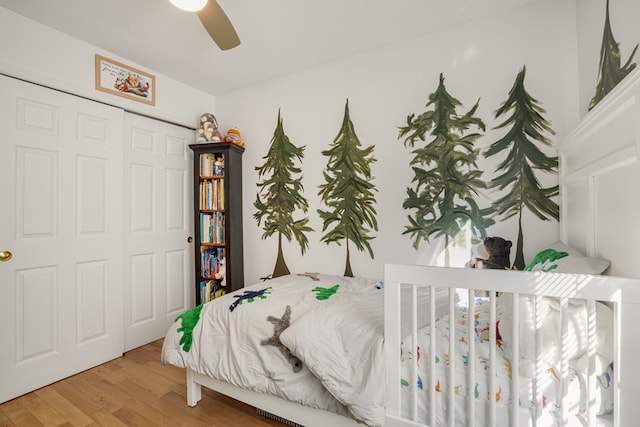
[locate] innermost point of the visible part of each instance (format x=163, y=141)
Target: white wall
x=623, y=16
x=478, y=59
x=39, y=54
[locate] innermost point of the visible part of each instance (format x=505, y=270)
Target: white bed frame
x=288, y=412
x=600, y=211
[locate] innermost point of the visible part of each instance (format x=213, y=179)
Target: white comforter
x=242, y=346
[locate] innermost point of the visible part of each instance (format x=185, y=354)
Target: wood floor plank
x=107, y=419
x=189, y=417
x=42, y=411
x=76, y=397
x=117, y=395
x=152, y=383
x=140, y=401
x=4, y=420
x=19, y=415
x=111, y=372
x=64, y=407
x=132, y=418
x=173, y=373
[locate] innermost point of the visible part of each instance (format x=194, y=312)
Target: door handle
x=5, y=255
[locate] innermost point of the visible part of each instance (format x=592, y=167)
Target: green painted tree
x=610, y=73
x=526, y=127
x=282, y=195
x=348, y=192
x=446, y=176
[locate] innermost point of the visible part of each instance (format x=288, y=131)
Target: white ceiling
x=278, y=37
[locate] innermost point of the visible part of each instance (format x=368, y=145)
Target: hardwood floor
x=133, y=390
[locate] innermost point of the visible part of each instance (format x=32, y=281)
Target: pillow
x=341, y=342
x=560, y=258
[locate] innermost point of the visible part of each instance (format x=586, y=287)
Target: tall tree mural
x=446, y=176
x=282, y=195
x=525, y=126
x=610, y=73
x=348, y=192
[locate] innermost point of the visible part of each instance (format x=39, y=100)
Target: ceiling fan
x=214, y=20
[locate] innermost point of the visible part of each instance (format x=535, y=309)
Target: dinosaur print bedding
x=549, y=380
x=237, y=338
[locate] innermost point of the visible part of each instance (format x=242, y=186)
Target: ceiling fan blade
x=218, y=25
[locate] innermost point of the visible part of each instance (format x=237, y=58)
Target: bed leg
x=194, y=390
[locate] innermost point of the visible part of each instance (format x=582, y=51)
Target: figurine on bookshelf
x=222, y=272
x=208, y=129
x=218, y=166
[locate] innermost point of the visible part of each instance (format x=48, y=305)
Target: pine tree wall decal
x=527, y=126
x=282, y=195
x=446, y=175
x=610, y=73
x=348, y=192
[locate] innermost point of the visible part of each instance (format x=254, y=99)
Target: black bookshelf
x=217, y=167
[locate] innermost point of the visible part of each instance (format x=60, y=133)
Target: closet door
x=60, y=235
x=158, y=260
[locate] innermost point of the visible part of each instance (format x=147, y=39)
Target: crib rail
x=404, y=282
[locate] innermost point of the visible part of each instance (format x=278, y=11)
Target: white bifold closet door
x=95, y=220
x=61, y=235
x=158, y=221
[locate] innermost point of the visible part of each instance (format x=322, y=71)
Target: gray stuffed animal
x=208, y=129
x=280, y=325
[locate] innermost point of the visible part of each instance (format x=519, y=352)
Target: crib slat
x=515, y=363
x=564, y=360
x=617, y=359
x=415, y=352
x=392, y=336
x=452, y=359
x=492, y=357
x=591, y=371
x=471, y=403
x=537, y=379
x=432, y=356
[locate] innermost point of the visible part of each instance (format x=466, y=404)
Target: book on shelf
x=210, y=165
x=212, y=194
x=220, y=195
x=206, y=164
x=211, y=289
x=212, y=227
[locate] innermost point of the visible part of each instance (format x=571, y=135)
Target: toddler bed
x=315, y=340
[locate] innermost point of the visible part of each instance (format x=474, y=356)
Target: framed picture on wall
x=119, y=79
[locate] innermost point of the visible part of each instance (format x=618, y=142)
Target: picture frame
x=119, y=79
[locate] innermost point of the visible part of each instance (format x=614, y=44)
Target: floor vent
x=277, y=418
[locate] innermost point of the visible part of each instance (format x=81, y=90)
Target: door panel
x=61, y=217
x=158, y=258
